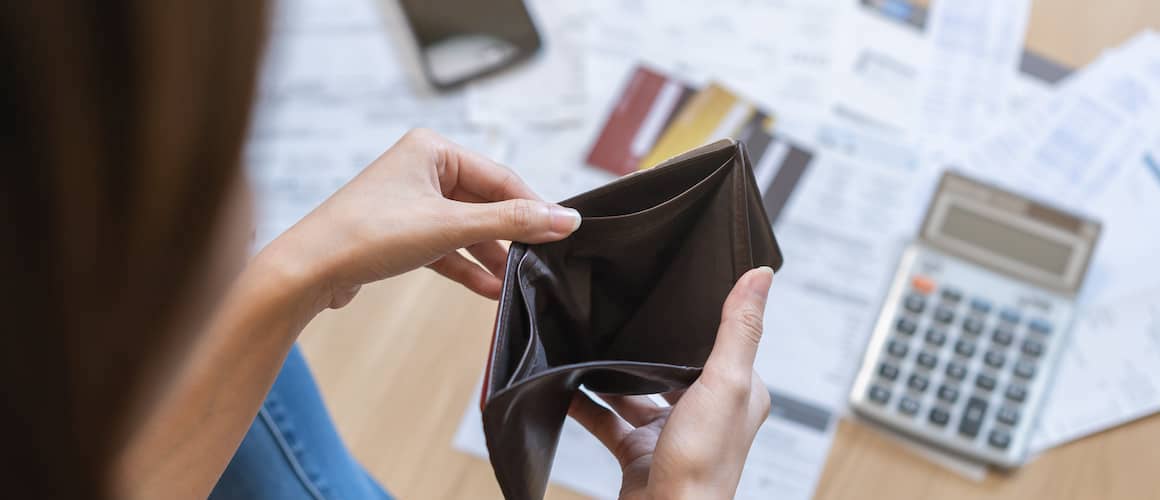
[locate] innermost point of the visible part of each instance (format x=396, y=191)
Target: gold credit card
x=712, y=113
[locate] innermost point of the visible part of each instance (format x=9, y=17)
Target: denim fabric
x=292, y=450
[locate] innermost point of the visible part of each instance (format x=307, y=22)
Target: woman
x=141, y=344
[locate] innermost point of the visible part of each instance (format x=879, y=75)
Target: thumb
x=527, y=221
x=741, y=324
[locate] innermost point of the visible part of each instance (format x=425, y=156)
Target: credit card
x=778, y=167
x=646, y=106
x=712, y=113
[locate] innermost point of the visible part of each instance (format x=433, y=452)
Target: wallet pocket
x=597, y=232
x=608, y=202
x=580, y=293
x=546, y=311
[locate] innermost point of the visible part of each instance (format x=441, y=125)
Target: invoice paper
x=973, y=59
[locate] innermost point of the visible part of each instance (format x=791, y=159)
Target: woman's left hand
x=417, y=205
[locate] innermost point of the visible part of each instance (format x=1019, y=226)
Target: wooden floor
x=398, y=367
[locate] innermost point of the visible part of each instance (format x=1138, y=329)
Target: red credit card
x=647, y=104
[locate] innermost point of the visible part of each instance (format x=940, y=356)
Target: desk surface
x=399, y=364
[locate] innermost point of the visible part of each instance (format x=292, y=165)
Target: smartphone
x=460, y=40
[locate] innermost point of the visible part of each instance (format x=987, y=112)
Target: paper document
x=974, y=56
x=1108, y=374
x=779, y=54
x=846, y=204
x=843, y=227
x=931, y=76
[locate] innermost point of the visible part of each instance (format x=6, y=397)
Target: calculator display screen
x=1000, y=238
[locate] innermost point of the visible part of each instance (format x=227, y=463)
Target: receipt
x=974, y=54
x=843, y=228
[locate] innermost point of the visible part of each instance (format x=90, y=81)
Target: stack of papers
x=857, y=108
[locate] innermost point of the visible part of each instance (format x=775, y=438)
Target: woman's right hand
x=697, y=447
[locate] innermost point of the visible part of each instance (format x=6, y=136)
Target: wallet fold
x=628, y=304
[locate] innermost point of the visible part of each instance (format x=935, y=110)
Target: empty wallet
x=628, y=304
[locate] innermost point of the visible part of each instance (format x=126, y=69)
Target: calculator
x=974, y=322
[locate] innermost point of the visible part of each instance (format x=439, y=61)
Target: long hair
x=121, y=127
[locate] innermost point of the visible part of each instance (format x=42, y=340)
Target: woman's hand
x=417, y=205
x=697, y=447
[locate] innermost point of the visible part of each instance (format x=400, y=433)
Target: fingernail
x=761, y=282
x=564, y=220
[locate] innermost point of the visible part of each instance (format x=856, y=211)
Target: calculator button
x=1025, y=369
x=1003, y=336
x=918, y=382
x=879, y=394
x=908, y=406
x=980, y=306
x=985, y=382
x=994, y=359
x=1000, y=439
x=964, y=348
x=1032, y=347
x=922, y=284
x=927, y=360
x=1009, y=416
x=973, y=417
x=948, y=394
x=914, y=303
x=951, y=294
x=888, y=371
x=1016, y=393
x=956, y=371
x=1009, y=316
x=973, y=326
x=1040, y=326
x=897, y=349
x=906, y=326
x=944, y=315
x=936, y=336
x=939, y=416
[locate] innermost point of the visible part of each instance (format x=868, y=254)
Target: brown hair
x=121, y=128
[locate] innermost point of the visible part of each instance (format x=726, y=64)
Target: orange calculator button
x=922, y=284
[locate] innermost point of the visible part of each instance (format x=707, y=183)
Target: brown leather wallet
x=628, y=304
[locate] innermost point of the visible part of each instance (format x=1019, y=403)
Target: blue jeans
x=292, y=450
